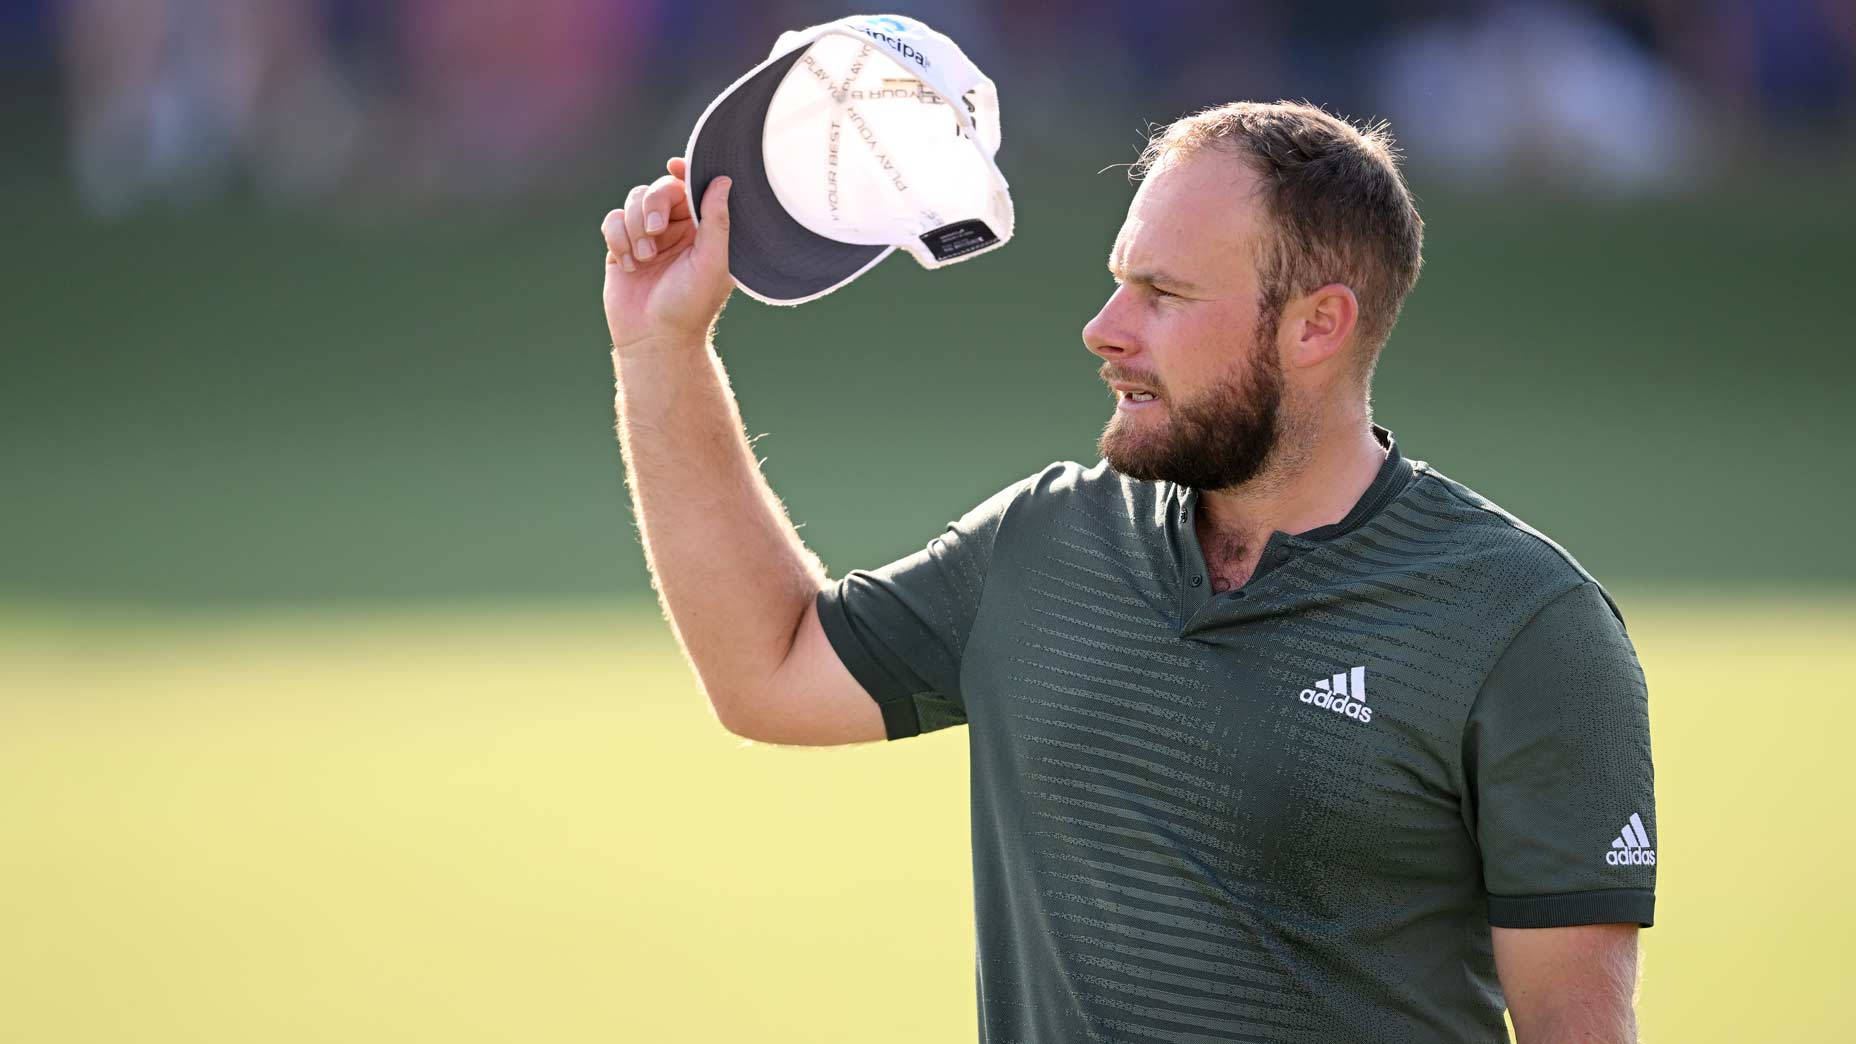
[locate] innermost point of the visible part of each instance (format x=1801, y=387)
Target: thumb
x=712, y=232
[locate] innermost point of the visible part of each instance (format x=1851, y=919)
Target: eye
x=1163, y=293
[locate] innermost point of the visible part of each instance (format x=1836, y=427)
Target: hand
x=666, y=279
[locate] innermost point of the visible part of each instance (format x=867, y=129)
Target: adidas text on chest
x=1343, y=694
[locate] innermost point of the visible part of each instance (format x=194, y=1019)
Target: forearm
x=1576, y=1020
x=728, y=566
x=1573, y=984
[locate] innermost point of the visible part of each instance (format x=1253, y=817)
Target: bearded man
x=1276, y=733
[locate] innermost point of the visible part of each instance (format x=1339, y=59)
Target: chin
x=1126, y=453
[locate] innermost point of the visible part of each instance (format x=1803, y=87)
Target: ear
x=1318, y=324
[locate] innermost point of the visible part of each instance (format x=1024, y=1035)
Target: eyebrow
x=1155, y=277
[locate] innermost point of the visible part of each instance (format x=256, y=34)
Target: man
x=1277, y=735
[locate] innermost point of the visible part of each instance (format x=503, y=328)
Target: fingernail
x=644, y=250
x=626, y=261
x=654, y=223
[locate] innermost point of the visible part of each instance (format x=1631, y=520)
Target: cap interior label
x=961, y=237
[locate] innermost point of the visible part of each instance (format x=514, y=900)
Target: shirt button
x=1197, y=579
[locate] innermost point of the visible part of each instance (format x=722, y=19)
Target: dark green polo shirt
x=1285, y=813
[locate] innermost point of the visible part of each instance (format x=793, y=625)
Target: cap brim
x=771, y=256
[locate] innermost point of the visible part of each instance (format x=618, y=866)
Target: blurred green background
x=238, y=406
x=334, y=705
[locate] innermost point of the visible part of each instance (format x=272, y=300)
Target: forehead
x=1197, y=215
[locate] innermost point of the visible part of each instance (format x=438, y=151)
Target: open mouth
x=1133, y=399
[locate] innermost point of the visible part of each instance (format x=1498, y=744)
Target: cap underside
x=769, y=252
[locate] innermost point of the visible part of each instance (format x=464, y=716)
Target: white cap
x=852, y=139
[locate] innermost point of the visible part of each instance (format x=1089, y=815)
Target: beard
x=1220, y=440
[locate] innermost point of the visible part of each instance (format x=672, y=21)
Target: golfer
x=1277, y=733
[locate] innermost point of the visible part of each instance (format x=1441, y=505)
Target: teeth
x=1141, y=396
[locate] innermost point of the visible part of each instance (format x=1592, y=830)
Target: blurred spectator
x=180, y=99
x=1788, y=61
x=171, y=99
x=495, y=92
x=1545, y=90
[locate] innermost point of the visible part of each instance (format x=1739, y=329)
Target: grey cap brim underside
x=769, y=252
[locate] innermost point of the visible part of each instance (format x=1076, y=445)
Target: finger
x=659, y=200
x=712, y=234
x=613, y=229
x=641, y=246
x=680, y=233
x=679, y=168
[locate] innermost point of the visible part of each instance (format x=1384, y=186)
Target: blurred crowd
x=176, y=100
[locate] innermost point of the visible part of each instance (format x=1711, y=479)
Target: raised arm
x=734, y=578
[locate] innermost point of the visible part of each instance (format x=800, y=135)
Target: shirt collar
x=1394, y=475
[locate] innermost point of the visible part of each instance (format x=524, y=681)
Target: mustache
x=1146, y=380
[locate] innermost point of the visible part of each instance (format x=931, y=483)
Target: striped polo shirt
x=1288, y=812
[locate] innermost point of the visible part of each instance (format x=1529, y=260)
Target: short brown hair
x=1341, y=209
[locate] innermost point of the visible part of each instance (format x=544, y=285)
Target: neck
x=1313, y=481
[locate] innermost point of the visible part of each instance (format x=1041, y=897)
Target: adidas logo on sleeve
x=1632, y=846
x=1344, y=693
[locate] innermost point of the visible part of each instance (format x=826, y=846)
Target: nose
x=1110, y=334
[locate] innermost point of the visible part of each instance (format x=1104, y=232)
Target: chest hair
x=1231, y=562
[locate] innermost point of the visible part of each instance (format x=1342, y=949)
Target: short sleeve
x=901, y=629
x=1557, y=756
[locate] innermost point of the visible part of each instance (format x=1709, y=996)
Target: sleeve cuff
x=1606, y=906
x=892, y=696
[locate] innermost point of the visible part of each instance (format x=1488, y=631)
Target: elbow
x=729, y=713
x=734, y=726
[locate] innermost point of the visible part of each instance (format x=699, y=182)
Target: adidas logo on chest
x=1344, y=694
